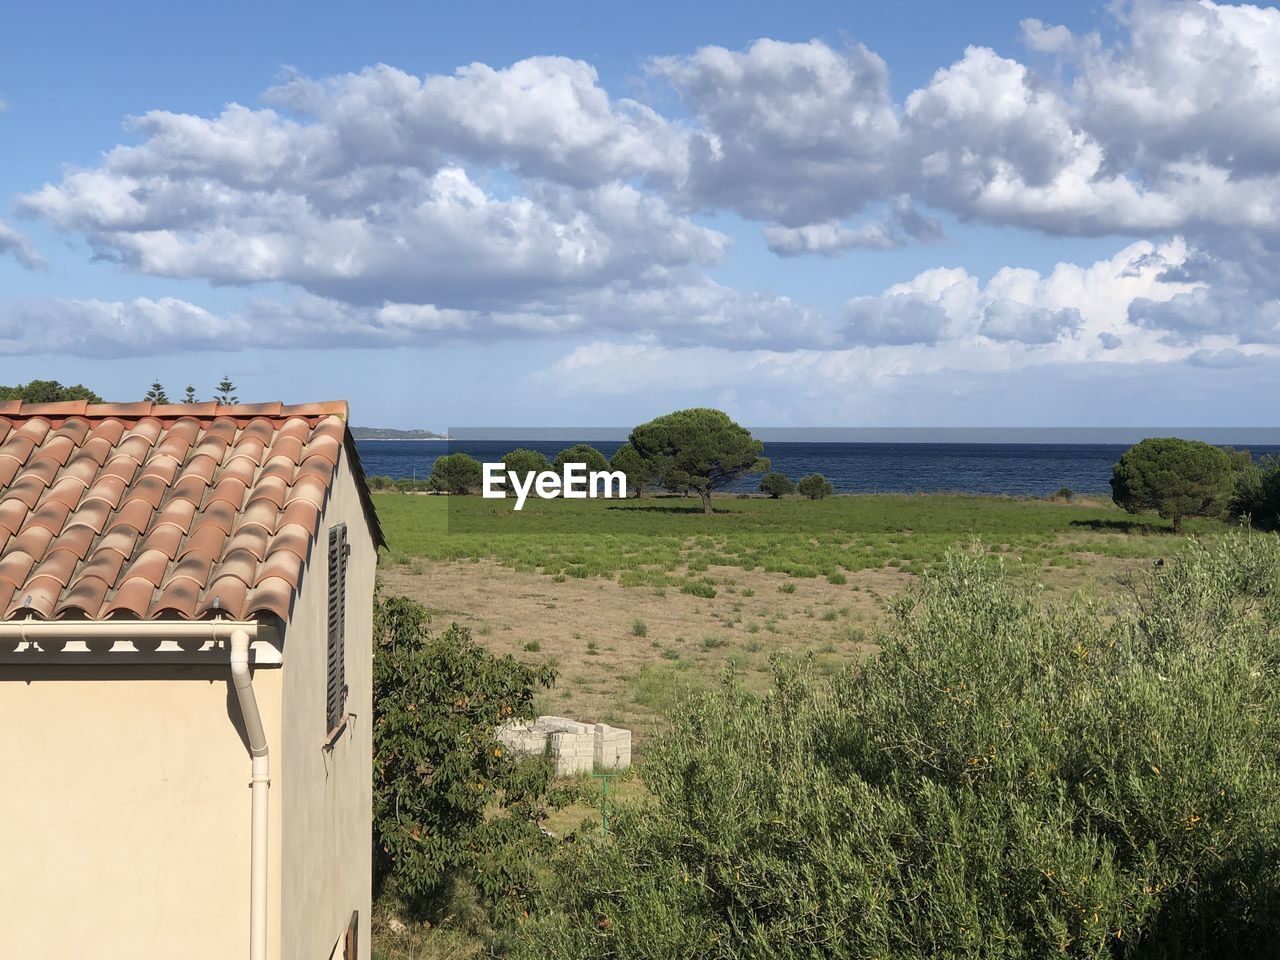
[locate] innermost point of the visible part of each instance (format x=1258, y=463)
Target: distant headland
x=387, y=433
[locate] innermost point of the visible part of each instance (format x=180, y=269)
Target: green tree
x=447, y=800
x=156, y=393
x=698, y=450
x=226, y=394
x=48, y=391
x=1176, y=478
x=1004, y=779
x=457, y=473
x=524, y=461
x=580, y=453
x=638, y=471
x=1257, y=494
x=815, y=486
x=189, y=396
x=776, y=485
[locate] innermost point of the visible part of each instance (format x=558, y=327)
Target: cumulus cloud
x=526, y=201
x=98, y=328
x=14, y=244
x=543, y=117
x=901, y=225
x=1011, y=320
x=380, y=234
x=789, y=132
x=1024, y=307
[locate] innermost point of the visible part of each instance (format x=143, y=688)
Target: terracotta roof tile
x=144, y=511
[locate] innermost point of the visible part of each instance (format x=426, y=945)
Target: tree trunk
x=1177, y=524
x=706, y=501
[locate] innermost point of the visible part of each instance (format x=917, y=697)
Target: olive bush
x=447, y=801
x=1003, y=780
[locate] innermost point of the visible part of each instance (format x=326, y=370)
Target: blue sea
x=1017, y=469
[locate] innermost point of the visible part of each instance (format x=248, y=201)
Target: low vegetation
x=1005, y=778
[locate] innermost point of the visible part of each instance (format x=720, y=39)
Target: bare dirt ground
x=625, y=654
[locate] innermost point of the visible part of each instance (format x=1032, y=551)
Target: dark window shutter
x=336, y=700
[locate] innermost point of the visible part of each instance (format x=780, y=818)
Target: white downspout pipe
x=260, y=785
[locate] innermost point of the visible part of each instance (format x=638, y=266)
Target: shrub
x=580, y=453
x=698, y=588
x=1002, y=780
x=533, y=646
x=638, y=471
x=639, y=628
x=1176, y=478
x=523, y=461
x=379, y=482
x=437, y=767
x=815, y=487
x=776, y=485
x=1257, y=494
x=1064, y=493
x=457, y=473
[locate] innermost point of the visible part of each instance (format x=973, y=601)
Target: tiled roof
x=151, y=511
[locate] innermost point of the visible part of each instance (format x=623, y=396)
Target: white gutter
x=238, y=634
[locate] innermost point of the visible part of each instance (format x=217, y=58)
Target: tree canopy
x=637, y=469
x=776, y=485
x=815, y=487
x=48, y=391
x=226, y=393
x=456, y=473
x=580, y=453
x=698, y=450
x=156, y=394
x=524, y=461
x=1176, y=478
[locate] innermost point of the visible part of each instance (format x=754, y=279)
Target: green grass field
x=668, y=541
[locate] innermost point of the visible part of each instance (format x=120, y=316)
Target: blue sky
x=811, y=215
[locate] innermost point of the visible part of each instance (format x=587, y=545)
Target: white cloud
x=98, y=328
x=901, y=225
x=378, y=234
x=20, y=248
x=789, y=132
x=541, y=117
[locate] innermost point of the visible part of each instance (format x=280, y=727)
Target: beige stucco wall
x=124, y=812
x=327, y=795
x=125, y=801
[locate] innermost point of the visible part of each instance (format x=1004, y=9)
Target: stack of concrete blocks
x=612, y=748
x=575, y=748
x=572, y=745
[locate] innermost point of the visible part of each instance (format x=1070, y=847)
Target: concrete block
x=611, y=747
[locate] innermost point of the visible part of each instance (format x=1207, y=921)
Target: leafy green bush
x=523, y=461
x=815, y=487
x=580, y=453
x=638, y=471
x=437, y=768
x=456, y=473
x=776, y=485
x=1002, y=780
x=698, y=588
x=1064, y=493
x=1176, y=478
x=1257, y=494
